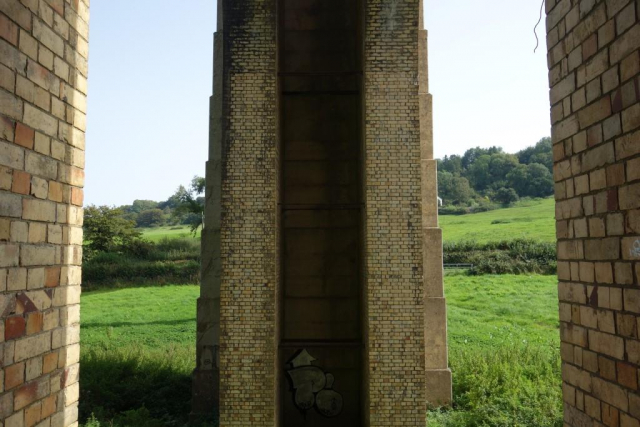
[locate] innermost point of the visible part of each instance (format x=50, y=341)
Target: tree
x=541, y=153
x=143, y=205
x=506, y=196
x=472, y=154
x=105, y=229
x=150, y=218
x=533, y=180
x=191, y=202
x=453, y=189
x=489, y=171
x=452, y=164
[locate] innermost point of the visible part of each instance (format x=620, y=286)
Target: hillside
x=531, y=220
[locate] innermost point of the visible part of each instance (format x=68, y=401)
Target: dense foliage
x=485, y=177
x=185, y=206
x=105, y=229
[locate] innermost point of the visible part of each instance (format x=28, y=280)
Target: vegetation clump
x=518, y=256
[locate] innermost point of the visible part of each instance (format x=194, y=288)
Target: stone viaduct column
x=321, y=236
x=594, y=75
x=438, y=379
x=43, y=87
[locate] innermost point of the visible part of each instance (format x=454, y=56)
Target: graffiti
x=313, y=387
x=390, y=12
x=635, y=250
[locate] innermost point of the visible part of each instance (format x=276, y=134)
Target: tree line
x=484, y=177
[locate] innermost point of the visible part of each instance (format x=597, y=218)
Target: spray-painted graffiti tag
x=635, y=249
x=313, y=387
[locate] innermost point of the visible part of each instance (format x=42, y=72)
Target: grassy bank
x=531, y=220
x=138, y=352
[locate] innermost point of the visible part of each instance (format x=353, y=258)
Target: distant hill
x=531, y=219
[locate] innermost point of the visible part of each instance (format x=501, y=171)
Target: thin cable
x=536, y=27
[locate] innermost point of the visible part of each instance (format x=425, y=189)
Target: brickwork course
x=594, y=63
x=43, y=86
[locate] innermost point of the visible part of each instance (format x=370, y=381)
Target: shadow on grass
x=119, y=324
x=134, y=387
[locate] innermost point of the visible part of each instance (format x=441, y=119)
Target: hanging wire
x=536, y=27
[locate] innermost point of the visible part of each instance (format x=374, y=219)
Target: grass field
x=158, y=233
x=138, y=353
x=531, y=220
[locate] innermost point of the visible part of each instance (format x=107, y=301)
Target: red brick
x=590, y=47
x=77, y=196
x=52, y=277
x=34, y=323
x=14, y=327
x=8, y=30
x=55, y=191
x=615, y=175
x=21, y=182
x=25, y=136
x=32, y=415
x=616, y=101
x=610, y=416
x=49, y=406
x=13, y=376
x=25, y=395
x=50, y=362
x=57, y=5
x=628, y=375
x=612, y=199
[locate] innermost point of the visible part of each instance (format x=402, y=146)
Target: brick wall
x=394, y=294
x=43, y=85
x=594, y=63
x=248, y=220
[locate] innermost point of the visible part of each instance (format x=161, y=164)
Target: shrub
x=506, y=196
x=141, y=249
x=517, y=256
x=128, y=271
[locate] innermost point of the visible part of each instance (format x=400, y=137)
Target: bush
x=506, y=196
x=513, y=386
x=127, y=271
x=517, y=256
x=141, y=249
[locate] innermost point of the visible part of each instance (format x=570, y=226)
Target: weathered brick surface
x=595, y=103
x=239, y=308
x=249, y=188
x=394, y=216
x=42, y=61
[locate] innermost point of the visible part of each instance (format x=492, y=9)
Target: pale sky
x=150, y=81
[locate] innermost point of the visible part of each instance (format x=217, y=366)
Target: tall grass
x=503, y=387
x=167, y=261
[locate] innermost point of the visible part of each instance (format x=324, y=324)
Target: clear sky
x=150, y=81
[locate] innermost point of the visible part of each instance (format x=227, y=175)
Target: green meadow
x=158, y=233
x=529, y=220
x=139, y=350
